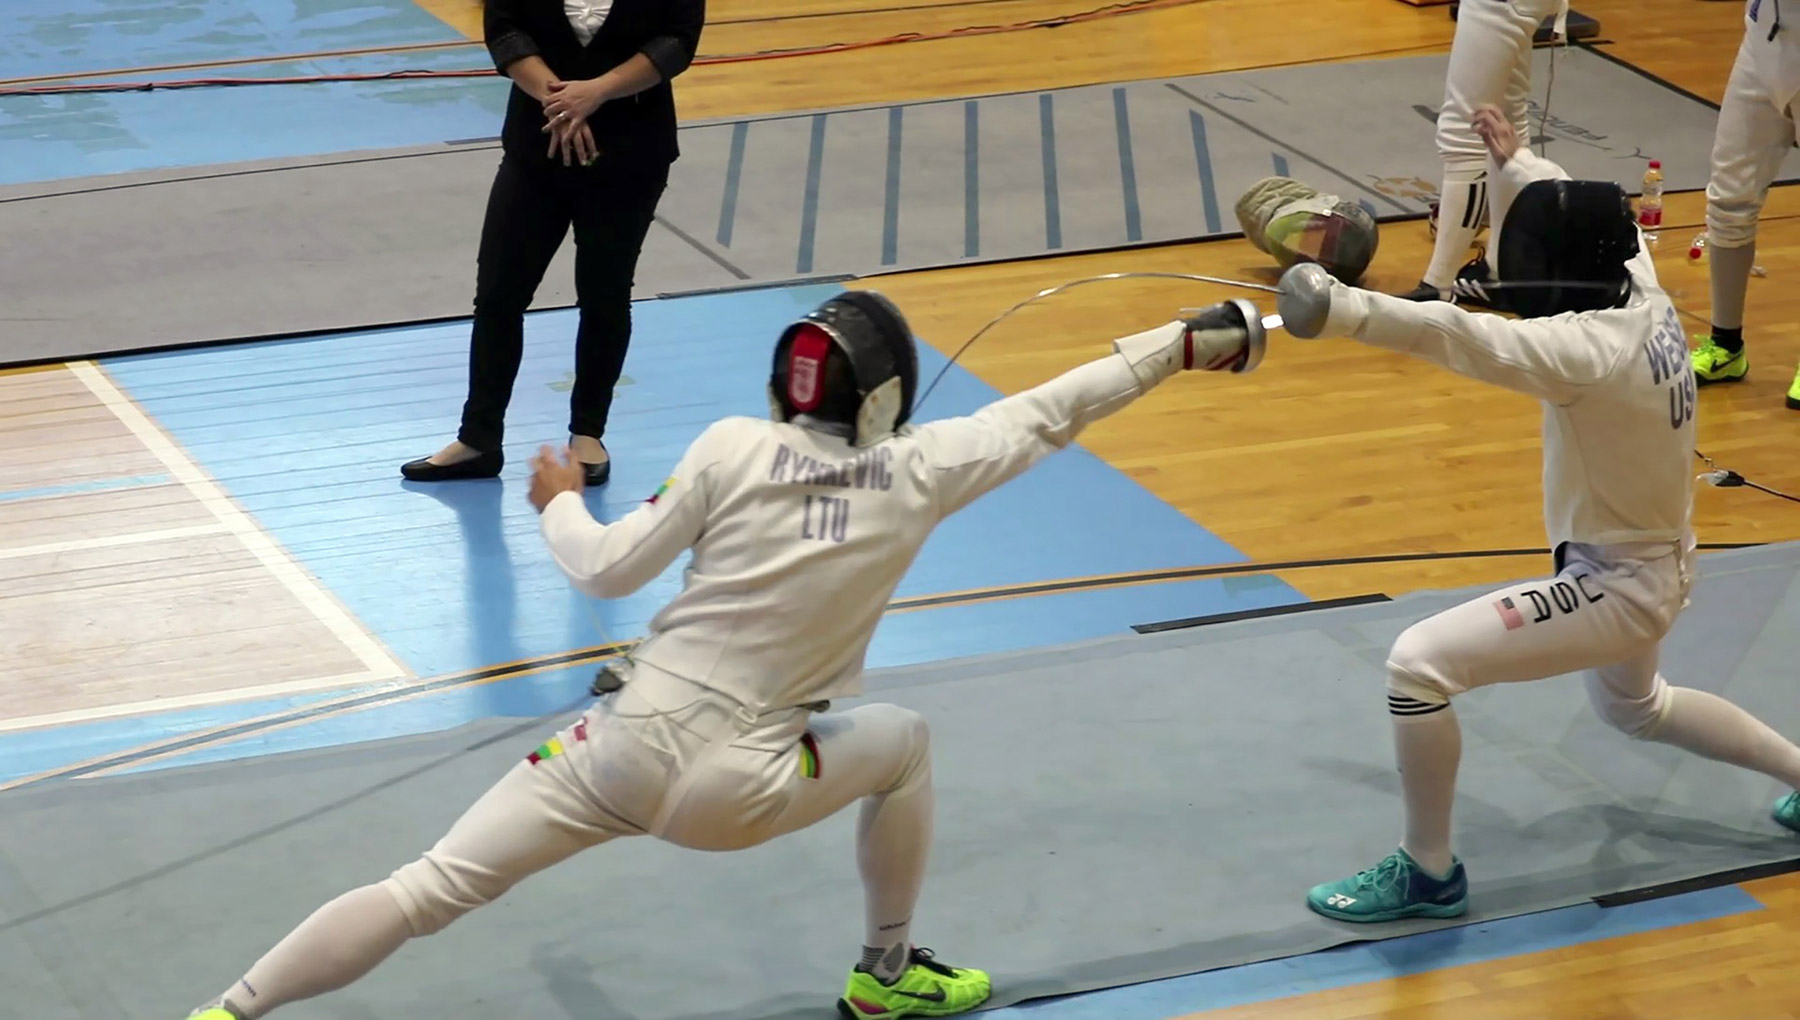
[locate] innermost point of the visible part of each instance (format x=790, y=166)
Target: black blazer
x=638, y=128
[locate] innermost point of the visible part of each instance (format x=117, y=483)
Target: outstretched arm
x=1550, y=359
x=614, y=560
x=976, y=454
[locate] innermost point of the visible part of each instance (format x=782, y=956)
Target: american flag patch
x=1509, y=614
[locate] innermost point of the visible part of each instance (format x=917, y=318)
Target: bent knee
x=1417, y=669
x=1636, y=717
x=907, y=737
x=434, y=891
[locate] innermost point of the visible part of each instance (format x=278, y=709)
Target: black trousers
x=530, y=209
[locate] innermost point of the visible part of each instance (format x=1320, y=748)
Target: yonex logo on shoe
x=1340, y=900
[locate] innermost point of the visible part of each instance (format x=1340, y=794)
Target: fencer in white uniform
x=1599, y=344
x=1490, y=63
x=1754, y=135
x=801, y=527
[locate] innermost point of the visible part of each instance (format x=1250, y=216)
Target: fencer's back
x=805, y=539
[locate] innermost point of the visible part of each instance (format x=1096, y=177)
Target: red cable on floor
x=1109, y=11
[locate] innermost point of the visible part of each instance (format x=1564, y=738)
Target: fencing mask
x=1567, y=244
x=1295, y=222
x=851, y=362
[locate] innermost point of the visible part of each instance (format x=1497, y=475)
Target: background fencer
x=1754, y=134
x=1600, y=345
x=1490, y=64
x=801, y=526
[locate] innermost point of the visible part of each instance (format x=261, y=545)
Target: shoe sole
x=849, y=1012
x=1435, y=910
x=1700, y=380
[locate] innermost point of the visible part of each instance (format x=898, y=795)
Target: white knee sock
x=1712, y=727
x=1428, y=749
x=893, y=840
x=1461, y=203
x=339, y=943
x=1730, y=284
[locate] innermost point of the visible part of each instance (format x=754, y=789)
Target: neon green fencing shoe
x=1793, y=396
x=1715, y=364
x=925, y=988
x=214, y=1014
x=1787, y=811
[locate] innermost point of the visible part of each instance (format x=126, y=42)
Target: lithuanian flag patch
x=667, y=483
x=809, y=757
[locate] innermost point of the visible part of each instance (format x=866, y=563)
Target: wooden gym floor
x=1380, y=456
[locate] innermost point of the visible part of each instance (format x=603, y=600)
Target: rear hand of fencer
x=1227, y=336
x=1305, y=300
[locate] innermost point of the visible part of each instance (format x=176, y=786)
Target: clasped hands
x=567, y=106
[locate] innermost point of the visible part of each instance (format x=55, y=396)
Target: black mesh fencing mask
x=852, y=361
x=1564, y=247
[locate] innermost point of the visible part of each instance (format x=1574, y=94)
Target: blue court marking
x=890, y=204
x=1209, y=197
x=81, y=488
x=45, y=37
x=809, y=211
x=308, y=437
x=1368, y=962
x=1052, y=200
x=734, y=170
x=902, y=639
x=971, y=178
x=58, y=137
x=1127, y=166
x=28, y=752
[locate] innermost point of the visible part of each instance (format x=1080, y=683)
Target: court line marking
x=104, y=541
x=383, y=694
x=199, y=700
x=110, y=483
x=275, y=559
x=393, y=692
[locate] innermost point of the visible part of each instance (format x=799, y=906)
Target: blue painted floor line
x=80, y=488
x=1362, y=963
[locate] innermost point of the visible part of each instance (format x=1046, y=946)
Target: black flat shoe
x=594, y=474
x=482, y=465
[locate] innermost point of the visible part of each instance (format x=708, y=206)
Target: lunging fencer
x=1490, y=64
x=1754, y=134
x=1599, y=344
x=800, y=526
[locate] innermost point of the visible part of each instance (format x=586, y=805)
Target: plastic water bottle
x=1697, y=250
x=1650, y=203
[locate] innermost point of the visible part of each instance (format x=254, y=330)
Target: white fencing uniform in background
x=1755, y=129
x=1754, y=135
x=1490, y=62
